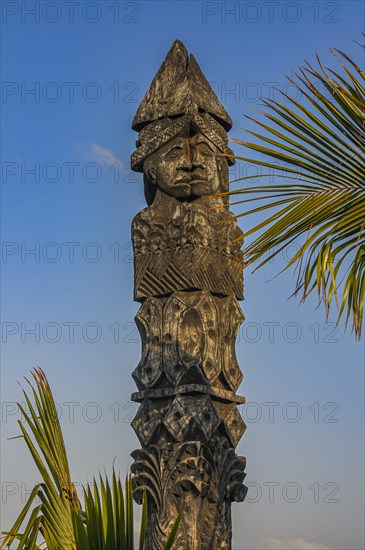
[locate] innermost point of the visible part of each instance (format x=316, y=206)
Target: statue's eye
x=174, y=153
x=204, y=150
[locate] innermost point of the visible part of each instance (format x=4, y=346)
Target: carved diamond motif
x=207, y=418
x=177, y=419
x=235, y=425
x=147, y=419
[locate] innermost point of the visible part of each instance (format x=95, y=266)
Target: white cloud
x=293, y=544
x=94, y=153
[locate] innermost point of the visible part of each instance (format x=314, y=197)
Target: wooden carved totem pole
x=188, y=278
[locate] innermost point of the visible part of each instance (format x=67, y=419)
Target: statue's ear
x=223, y=173
x=221, y=164
x=151, y=173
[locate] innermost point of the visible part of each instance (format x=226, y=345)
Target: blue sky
x=69, y=196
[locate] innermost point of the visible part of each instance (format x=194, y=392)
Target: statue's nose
x=196, y=160
x=197, y=163
x=186, y=165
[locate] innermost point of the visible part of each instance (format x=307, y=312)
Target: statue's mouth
x=192, y=180
x=184, y=180
x=198, y=179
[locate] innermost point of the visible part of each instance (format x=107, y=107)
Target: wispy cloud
x=293, y=544
x=94, y=153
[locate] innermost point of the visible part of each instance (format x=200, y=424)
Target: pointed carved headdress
x=178, y=101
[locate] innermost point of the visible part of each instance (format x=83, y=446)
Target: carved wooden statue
x=188, y=278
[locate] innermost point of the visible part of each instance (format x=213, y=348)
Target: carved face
x=186, y=167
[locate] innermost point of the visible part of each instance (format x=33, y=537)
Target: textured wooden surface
x=188, y=278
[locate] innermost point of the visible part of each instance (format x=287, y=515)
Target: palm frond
x=321, y=145
x=43, y=436
x=107, y=522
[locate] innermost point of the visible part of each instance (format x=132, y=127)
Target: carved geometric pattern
x=147, y=420
x=177, y=420
x=186, y=330
x=207, y=258
x=182, y=477
x=233, y=315
x=186, y=414
x=207, y=419
x=232, y=420
x=149, y=323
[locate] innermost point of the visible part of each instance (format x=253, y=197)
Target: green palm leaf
x=107, y=522
x=43, y=436
x=322, y=146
